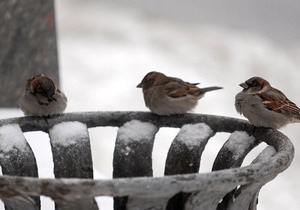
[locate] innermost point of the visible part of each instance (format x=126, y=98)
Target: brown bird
x=165, y=95
x=42, y=97
x=265, y=106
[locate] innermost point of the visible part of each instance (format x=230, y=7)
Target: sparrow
x=165, y=95
x=265, y=106
x=42, y=97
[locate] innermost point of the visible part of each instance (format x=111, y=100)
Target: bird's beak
x=244, y=85
x=140, y=85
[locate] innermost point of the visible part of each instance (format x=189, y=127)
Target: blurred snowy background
x=106, y=48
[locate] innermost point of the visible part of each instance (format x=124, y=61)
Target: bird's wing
x=176, y=89
x=276, y=101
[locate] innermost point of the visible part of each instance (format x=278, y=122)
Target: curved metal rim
x=123, y=186
x=118, y=118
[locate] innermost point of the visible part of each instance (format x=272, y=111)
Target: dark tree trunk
x=27, y=46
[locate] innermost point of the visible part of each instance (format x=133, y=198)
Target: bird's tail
x=204, y=90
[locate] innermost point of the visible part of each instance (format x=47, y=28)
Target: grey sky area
x=278, y=20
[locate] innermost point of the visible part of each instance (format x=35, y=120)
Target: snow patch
x=192, y=134
x=69, y=133
x=11, y=137
x=238, y=142
x=136, y=130
x=10, y=112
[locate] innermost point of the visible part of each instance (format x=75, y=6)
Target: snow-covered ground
x=105, y=51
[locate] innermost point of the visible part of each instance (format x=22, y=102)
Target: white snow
x=68, y=133
x=136, y=130
x=10, y=113
x=192, y=134
x=11, y=137
x=40, y=144
x=238, y=142
x=162, y=143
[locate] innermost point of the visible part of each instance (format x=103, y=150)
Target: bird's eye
x=254, y=84
x=148, y=82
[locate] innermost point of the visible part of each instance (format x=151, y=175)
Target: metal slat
x=231, y=155
x=247, y=195
x=72, y=157
x=185, y=154
x=133, y=155
x=17, y=159
x=204, y=200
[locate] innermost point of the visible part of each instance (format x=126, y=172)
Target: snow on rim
x=238, y=142
x=192, y=134
x=69, y=133
x=136, y=130
x=11, y=137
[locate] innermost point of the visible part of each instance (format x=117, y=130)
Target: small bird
x=42, y=97
x=165, y=95
x=265, y=106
